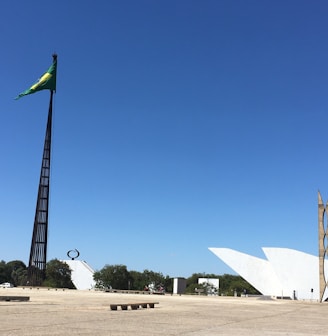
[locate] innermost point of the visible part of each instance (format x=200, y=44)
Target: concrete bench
x=134, y=306
x=127, y=291
x=14, y=298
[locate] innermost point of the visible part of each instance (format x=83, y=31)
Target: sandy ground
x=51, y=312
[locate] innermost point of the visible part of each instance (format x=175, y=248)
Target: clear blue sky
x=178, y=125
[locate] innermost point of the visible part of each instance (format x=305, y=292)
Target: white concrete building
x=82, y=274
x=285, y=272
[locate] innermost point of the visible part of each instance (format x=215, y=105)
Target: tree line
x=58, y=275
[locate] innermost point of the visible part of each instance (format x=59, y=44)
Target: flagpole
x=38, y=253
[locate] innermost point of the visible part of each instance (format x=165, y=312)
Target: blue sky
x=178, y=126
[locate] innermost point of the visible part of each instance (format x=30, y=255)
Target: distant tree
x=155, y=278
x=19, y=276
x=231, y=284
x=58, y=275
x=4, y=272
x=228, y=284
x=118, y=276
x=168, y=284
x=115, y=276
x=140, y=280
x=192, y=283
x=191, y=289
x=137, y=280
x=18, y=272
x=226, y=287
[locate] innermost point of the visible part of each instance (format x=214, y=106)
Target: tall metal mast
x=38, y=253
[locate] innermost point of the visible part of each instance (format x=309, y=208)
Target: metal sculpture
x=73, y=254
x=323, y=246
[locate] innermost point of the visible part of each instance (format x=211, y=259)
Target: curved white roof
x=286, y=272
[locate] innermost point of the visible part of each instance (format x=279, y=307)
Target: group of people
x=152, y=288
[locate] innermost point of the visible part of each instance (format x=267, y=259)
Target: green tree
x=140, y=280
x=4, y=272
x=137, y=280
x=18, y=272
x=58, y=274
x=231, y=284
x=191, y=289
x=228, y=284
x=153, y=277
x=168, y=284
x=192, y=283
x=114, y=276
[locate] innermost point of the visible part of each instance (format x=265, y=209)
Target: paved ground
x=51, y=312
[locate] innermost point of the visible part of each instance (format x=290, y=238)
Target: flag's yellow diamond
x=42, y=80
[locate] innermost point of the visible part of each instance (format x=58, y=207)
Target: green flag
x=46, y=82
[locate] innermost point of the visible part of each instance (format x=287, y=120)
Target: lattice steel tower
x=38, y=253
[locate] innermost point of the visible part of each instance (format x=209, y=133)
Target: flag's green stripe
x=46, y=82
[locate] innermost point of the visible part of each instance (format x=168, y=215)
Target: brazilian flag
x=46, y=82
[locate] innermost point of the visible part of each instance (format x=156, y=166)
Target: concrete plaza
x=71, y=312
